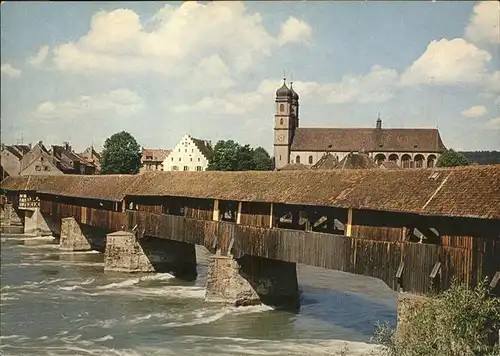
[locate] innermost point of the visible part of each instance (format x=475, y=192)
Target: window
x=281, y=121
x=41, y=159
x=175, y=168
x=297, y=159
x=186, y=151
x=179, y=149
x=46, y=168
x=192, y=150
x=179, y=159
x=198, y=168
x=280, y=157
x=198, y=159
x=172, y=159
x=310, y=159
x=282, y=107
x=186, y=168
x=38, y=168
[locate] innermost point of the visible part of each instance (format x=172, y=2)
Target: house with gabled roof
x=190, y=154
x=152, y=159
x=39, y=161
x=293, y=144
x=93, y=157
x=11, y=159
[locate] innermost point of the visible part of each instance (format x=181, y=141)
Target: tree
x=225, y=156
x=121, y=154
x=231, y=156
x=451, y=158
x=457, y=322
x=262, y=160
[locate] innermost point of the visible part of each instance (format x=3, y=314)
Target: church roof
x=283, y=91
x=369, y=139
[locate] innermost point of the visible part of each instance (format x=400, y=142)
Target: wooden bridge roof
x=472, y=191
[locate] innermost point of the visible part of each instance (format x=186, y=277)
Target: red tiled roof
x=158, y=154
x=356, y=139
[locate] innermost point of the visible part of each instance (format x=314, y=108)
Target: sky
x=80, y=72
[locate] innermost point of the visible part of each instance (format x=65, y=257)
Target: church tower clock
x=284, y=125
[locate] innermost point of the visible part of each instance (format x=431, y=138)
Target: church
x=407, y=148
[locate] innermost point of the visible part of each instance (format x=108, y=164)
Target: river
x=62, y=303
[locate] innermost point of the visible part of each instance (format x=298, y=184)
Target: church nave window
x=310, y=159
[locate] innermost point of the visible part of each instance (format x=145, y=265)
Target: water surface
x=62, y=303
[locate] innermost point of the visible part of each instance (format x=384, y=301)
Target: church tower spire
x=284, y=125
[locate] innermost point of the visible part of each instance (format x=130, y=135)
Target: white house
x=190, y=154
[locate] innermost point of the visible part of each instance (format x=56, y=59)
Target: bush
x=457, y=322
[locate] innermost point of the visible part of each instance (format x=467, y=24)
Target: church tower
x=284, y=125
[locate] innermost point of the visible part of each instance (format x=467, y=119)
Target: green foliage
x=451, y=158
x=457, y=322
x=482, y=157
x=262, y=160
x=231, y=156
x=121, y=154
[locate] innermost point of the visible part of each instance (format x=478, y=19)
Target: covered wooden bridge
x=414, y=229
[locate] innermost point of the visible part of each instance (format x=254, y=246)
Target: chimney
x=67, y=147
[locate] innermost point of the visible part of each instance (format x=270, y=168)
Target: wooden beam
x=238, y=214
x=348, y=229
x=216, y=214
x=271, y=216
x=124, y=205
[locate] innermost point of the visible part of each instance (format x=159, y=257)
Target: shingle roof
x=356, y=139
x=14, y=151
x=389, y=165
x=293, y=167
x=327, y=161
x=204, y=147
x=22, y=148
x=471, y=191
x=356, y=161
x=158, y=154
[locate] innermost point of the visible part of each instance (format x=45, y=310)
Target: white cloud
x=223, y=35
x=295, y=31
x=448, y=62
x=373, y=87
x=119, y=102
x=484, y=23
x=474, y=111
x=40, y=57
x=493, y=124
x=9, y=70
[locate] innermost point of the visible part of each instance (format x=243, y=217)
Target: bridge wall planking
x=255, y=214
x=379, y=259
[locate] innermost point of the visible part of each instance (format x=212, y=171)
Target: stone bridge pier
x=125, y=252
x=12, y=216
x=252, y=280
x=80, y=237
x=36, y=223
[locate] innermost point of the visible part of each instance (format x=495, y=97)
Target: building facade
x=190, y=154
x=407, y=148
x=93, y=157
x=38, y=161
x=152, y=159
x=11, y=159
